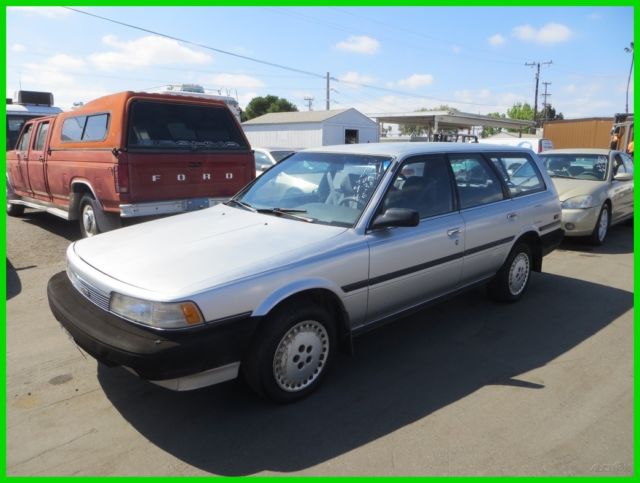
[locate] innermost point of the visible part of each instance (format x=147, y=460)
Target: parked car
x=595, y=188
x=125, y=155
x=267, y=157
x=273, y=282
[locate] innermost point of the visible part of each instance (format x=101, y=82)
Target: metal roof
x=297, y=117
x=413, y=148
x=439, y=120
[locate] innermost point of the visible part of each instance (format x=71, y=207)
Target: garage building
x=311, y=129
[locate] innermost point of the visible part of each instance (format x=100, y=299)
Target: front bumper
x=132, y=210
x=580, y=222
x=153, y=354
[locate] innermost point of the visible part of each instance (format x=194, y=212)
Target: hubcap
x=89, y=221
x=604, y=224
x=301, y=355
x=518, y=274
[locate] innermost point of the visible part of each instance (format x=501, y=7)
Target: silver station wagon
x=324, y=246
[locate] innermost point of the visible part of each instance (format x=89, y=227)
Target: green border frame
x=349, y=3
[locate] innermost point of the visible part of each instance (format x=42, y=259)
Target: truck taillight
x=121, y=178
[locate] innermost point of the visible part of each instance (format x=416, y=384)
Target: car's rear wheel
x=601, y=229
x=88, y=217
x=291, y=353
x=512, y=280
x=14, y=210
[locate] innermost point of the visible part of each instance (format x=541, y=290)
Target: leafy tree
x=490, y=131
x=549, y=114
x=520, y=111
x=259, y=106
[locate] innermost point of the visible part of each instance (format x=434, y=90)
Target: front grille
x=90, y=293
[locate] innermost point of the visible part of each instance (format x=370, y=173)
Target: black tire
x=291, y=352
x=512, y=280
x=601, y=230
x=93, y=220
x=14, y=210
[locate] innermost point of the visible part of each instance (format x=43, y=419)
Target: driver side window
x=422, y=184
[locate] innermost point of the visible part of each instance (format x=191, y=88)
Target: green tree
x=523, y=112
x=259, y=106
x=549, y=114
x=490, y=131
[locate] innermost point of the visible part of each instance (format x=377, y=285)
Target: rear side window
x=85, y=128
x=476, y=182
x=162, y=125
x=520, y=174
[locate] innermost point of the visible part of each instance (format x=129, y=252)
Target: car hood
x=195, y=251
x=568, y=188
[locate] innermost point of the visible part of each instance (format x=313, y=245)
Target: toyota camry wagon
x=327, y=244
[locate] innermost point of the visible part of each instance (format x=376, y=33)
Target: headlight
x=156, y=314
x=578, y=202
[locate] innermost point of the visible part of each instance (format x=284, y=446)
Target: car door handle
x=512, y=216
x=453, y=232
x=40, y=158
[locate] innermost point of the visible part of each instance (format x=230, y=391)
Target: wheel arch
x=315, y=293
x=532, y=239
x=79, y=188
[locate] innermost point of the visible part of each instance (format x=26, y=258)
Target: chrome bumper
x=167, y=207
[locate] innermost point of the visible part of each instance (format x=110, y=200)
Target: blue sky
x=384, y=59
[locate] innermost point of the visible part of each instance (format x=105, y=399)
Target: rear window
x=162, y=125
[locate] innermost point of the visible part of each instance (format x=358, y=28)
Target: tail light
x=121, y=178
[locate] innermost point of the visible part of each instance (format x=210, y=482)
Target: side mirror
x=623, y=177
x=396, y=217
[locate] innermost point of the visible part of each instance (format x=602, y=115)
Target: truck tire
x=14, y=210
x=93, y=220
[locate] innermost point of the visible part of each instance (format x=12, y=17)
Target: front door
x=36, y=165
x=411, y=265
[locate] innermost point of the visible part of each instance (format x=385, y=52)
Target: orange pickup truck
x=126, y=155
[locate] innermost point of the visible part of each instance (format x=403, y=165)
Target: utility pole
x=328, y=92
x=309, y=102
x=535, y=102
x=545, y=103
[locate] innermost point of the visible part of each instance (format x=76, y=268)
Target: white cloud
x=456, y=49
x=49, y=12
x=18, y=48
x=551, y=33
x=415, y=81
x=356, y=78
x=145, y=52
x=497, y=40
x=359, y=44
x=236, y=81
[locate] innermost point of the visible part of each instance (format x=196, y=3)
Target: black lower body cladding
x=153, y=354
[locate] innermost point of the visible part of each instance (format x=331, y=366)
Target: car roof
x=577, y=151
x=414, y=148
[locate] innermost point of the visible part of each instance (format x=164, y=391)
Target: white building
x=311, y=129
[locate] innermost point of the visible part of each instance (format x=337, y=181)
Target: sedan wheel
x=512, y=280
x=602, y=227
x=291, y=352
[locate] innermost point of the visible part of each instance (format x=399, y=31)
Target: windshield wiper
x=286, y=212
x=242, y=204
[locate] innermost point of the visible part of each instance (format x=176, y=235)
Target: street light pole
x=629, y=49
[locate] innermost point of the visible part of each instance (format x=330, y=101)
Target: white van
x=537, y=145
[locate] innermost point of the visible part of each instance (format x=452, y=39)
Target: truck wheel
x=512, y=280
x=291, y=353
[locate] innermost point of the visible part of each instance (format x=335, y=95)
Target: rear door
x=180, y=150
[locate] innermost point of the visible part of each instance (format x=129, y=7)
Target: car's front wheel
x=291, y=353
x=512, y=280
x=602, y=226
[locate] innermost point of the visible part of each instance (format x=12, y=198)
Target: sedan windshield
x=577, y=166
x=327, y=188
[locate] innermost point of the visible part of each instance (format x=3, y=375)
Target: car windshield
x=577, y=166
x=326, y=188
